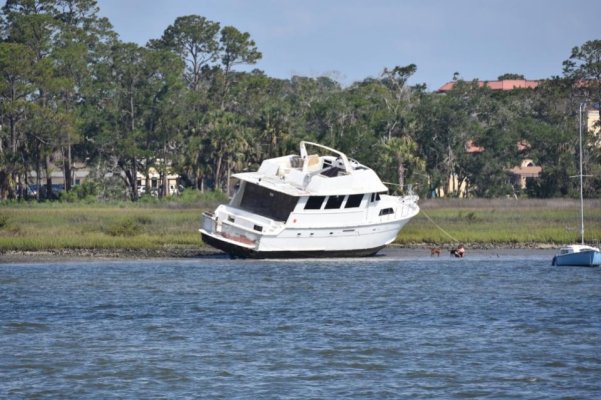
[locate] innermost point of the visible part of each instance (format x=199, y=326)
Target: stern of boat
x=214, y=230
x=236, y=231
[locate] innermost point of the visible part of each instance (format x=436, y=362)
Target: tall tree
x=194, y=39
x=235, y=48
x=16, y=88
x=32, y=23
x=134, y=111
x=83, y=38
x=583, y=68
x=583, y=71
x=398, y=141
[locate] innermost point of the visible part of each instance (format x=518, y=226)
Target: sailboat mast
x=582, y=106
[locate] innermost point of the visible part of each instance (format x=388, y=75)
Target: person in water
x=458, y=252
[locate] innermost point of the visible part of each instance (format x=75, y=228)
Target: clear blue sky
x=350, y=40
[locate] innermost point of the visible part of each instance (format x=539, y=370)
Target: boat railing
x=303, y=152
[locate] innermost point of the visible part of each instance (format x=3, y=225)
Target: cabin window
x=386, y=211
x=314, y=202
x=375, y=197
x=267, y=203
x=334, y=202
x=354, y=201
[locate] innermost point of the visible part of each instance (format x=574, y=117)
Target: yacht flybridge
x=309, y=205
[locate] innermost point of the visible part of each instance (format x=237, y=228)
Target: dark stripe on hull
x=242, y=252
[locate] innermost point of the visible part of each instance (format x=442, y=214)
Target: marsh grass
x=503, y=222
x=54, y=226
x=99, y=227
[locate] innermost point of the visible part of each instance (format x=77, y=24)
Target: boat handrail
x=343, y=157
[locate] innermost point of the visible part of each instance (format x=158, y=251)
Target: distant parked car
x=32, y=190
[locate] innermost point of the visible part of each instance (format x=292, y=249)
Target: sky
x=351, y=40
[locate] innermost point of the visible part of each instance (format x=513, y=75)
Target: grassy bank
x=171, y=227
x=93, y=227
x=147, y=226
x=502, y=222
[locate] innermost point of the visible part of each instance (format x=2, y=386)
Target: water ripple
x=365, y=328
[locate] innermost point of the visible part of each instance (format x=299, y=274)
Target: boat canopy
x=359, y=182
x=331, y=173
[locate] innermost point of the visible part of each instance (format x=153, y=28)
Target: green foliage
x=143, y=219
x=510, y=76
x=506, y=222
x=71, y=92
x=469, y=217
x=86, y=192
x=3, y=221
x=195, y=196
x=126, y=227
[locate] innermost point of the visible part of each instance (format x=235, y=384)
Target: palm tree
x=400, y=153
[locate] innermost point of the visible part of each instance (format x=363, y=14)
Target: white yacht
x=318, y=204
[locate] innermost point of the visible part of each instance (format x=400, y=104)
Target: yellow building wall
x=592, y=126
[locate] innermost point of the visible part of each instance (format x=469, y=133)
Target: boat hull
x=591, y=258
x=239, y=241
x=244, y=252
x=303, y=243
x=312, y=205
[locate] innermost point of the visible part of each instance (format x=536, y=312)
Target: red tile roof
x=508, y=84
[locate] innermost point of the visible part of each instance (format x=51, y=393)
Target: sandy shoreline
x=392, y=251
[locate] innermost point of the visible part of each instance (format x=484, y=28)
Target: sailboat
x=579, y=255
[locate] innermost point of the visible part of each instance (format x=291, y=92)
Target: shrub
x=189, y=196
x=126, y=227
x=143, y=220
x=3, y=221
x=86, y=192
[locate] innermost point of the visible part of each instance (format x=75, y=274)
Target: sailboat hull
x=590, y=258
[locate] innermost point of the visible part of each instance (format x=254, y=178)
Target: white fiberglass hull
x=365, y=240
x=308, y=205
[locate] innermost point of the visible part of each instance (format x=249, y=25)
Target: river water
x=400, y=326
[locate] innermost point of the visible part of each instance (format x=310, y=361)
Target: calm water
x=385, y=327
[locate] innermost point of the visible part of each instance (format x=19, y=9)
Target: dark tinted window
x=334, y=202
x=268, y=203
x=314, y=202
x=386, y=211
x=354, y=200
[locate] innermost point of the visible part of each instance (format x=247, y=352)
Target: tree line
x=71, y=91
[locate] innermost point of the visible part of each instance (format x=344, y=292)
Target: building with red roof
x=507, y=84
